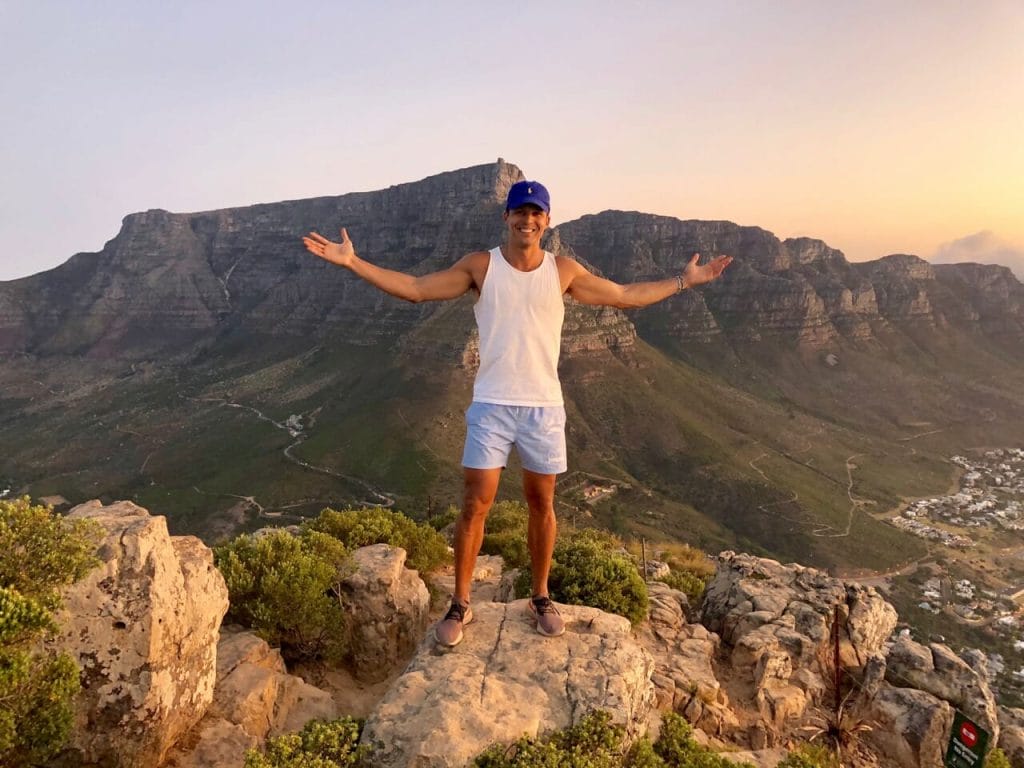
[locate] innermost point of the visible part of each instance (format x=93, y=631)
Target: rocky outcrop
x=935, y=669
x=156, y=693
x=255, y=698
x=684, y=676
x=143, y=627
x=504, y=680
x=388, y=604
x=910, y=727
x=776, y=623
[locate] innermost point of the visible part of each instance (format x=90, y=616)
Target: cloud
x=983, y=248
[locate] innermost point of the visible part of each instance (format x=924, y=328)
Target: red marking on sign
x=968, y=734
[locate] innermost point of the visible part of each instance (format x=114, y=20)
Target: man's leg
x=540, y=533
x=540, y=538
x=480, y=486
x=479, y=489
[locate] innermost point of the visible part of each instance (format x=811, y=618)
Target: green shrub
x=997, y=759
x=593, y=743
x=40, y=552
x=677, y=747
x=426, y=549
x=642, y=755
x=505, y=533
x=588, y=569
x=320, y=744
x=287, y=589
x=596, y=743
x=690, y=584
x=811, y=756
x=442, y=520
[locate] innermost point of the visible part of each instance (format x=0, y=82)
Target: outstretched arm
x=587, y=288
x=447, y=284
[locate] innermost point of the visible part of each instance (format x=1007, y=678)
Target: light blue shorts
x=538, y=433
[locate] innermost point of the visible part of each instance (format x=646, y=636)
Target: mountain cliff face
x=170, y=280
x=798, y=289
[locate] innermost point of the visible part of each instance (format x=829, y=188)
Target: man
x=517, y=397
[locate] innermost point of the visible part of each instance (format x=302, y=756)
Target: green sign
x=967, y=744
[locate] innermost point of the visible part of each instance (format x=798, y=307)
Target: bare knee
x=477, y=498
x=539, y=491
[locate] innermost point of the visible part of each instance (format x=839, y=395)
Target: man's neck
x=521, y=257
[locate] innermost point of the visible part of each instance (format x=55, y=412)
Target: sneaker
x=549, y=621
x=448, y=631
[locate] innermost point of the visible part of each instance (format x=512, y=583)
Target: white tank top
x=520, y=316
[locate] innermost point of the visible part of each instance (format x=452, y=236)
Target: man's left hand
x=698, y=274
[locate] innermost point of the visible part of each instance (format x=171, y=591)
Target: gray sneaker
x=549, y=620
x=448, y=631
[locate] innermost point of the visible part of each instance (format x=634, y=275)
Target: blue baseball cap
x=527, y=192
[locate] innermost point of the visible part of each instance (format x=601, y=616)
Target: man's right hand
x=342, y=254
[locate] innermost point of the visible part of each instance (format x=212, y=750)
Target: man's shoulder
x=475, y=261
x=568, y=265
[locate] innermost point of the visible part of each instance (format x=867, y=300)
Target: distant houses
x=991, y=496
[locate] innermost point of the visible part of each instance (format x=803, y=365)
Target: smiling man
x=517, y=397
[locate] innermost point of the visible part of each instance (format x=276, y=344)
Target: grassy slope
x=764, y=456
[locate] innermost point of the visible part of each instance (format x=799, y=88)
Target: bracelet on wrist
x=679, y=284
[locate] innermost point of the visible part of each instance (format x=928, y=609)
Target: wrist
x=681, y=283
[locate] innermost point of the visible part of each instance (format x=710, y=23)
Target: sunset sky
x=879, y=127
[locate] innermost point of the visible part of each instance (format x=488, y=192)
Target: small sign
x=968, y=742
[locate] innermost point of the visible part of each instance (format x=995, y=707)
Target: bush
x=320, y=744
x=40, y=552
x=426, y=549
x=997, y=759
x=677, y=747
x=505, y=534
x=810, y=756
x=587, y=569
x=287, y=588
x=596, y=743
x=593, y=743
x=442, y=520
x=690, y=584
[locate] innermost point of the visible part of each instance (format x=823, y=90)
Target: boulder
x=1011, y=735
x=910, y=727
x=940, y=672
x=255, y=698
x=504, y=680
x=776, y=623
x=388, y=604
x=214, y=743
x=143, y=627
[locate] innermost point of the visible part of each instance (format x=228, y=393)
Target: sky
x=878, y=127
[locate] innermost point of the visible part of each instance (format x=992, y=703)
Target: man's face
x=526, y=223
